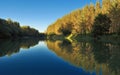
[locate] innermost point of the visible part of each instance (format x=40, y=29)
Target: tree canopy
x=81, y=21
x=9, y=28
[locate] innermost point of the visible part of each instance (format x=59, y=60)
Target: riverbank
x=55, y=37
x=80, y=38
x=113, y=38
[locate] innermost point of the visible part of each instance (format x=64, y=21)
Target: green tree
x=66, y=30
x=9, y=28
x=101, y=25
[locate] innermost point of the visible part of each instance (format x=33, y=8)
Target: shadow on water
x=91, y=56
x=10, y=46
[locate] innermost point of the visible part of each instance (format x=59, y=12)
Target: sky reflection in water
x=31, y=57
x=38, y=60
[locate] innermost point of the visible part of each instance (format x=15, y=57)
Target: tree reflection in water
x=92, y=55
x=10, y=46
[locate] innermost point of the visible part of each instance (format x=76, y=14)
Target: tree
x=9, y=28
x=66, y=30
x=81, y=21
x=105, y=6
x=114, y=14
x=101, y=25
x=97, y=8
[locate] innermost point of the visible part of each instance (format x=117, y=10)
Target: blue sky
x=38, y=13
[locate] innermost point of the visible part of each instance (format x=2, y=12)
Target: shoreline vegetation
x=100, y=21
x=12, y=29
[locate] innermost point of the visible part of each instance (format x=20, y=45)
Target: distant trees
x=26, y=30
x=81, y=21
x=9, y=28
x=101, y=25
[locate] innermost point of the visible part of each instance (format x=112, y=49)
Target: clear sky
x=38, y=13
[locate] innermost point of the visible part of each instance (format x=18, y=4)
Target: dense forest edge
x=99, y=21
x=12, y=29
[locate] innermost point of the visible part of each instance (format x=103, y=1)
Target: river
x=35, y=57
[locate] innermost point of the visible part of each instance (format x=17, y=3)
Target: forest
x=9, y=28
x=94, y=19
x=86, y=39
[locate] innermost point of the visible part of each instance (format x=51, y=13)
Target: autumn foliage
x=81, y=21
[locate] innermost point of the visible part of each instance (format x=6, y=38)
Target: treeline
x=100, y=18
x=9, y=28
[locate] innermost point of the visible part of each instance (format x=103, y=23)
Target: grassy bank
x=110, y=38
x=55, y=37
x=113, y=38
x=81, y=37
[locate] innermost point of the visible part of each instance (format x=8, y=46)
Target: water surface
x=35, y=57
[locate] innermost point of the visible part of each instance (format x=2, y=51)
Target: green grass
x=112, y=38
x=55, y=37
x=105, y=38
x=81, y=37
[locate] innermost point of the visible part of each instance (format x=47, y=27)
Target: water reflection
x=10, y=46
x=91, y=56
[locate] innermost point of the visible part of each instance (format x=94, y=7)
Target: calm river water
x=34, y=57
